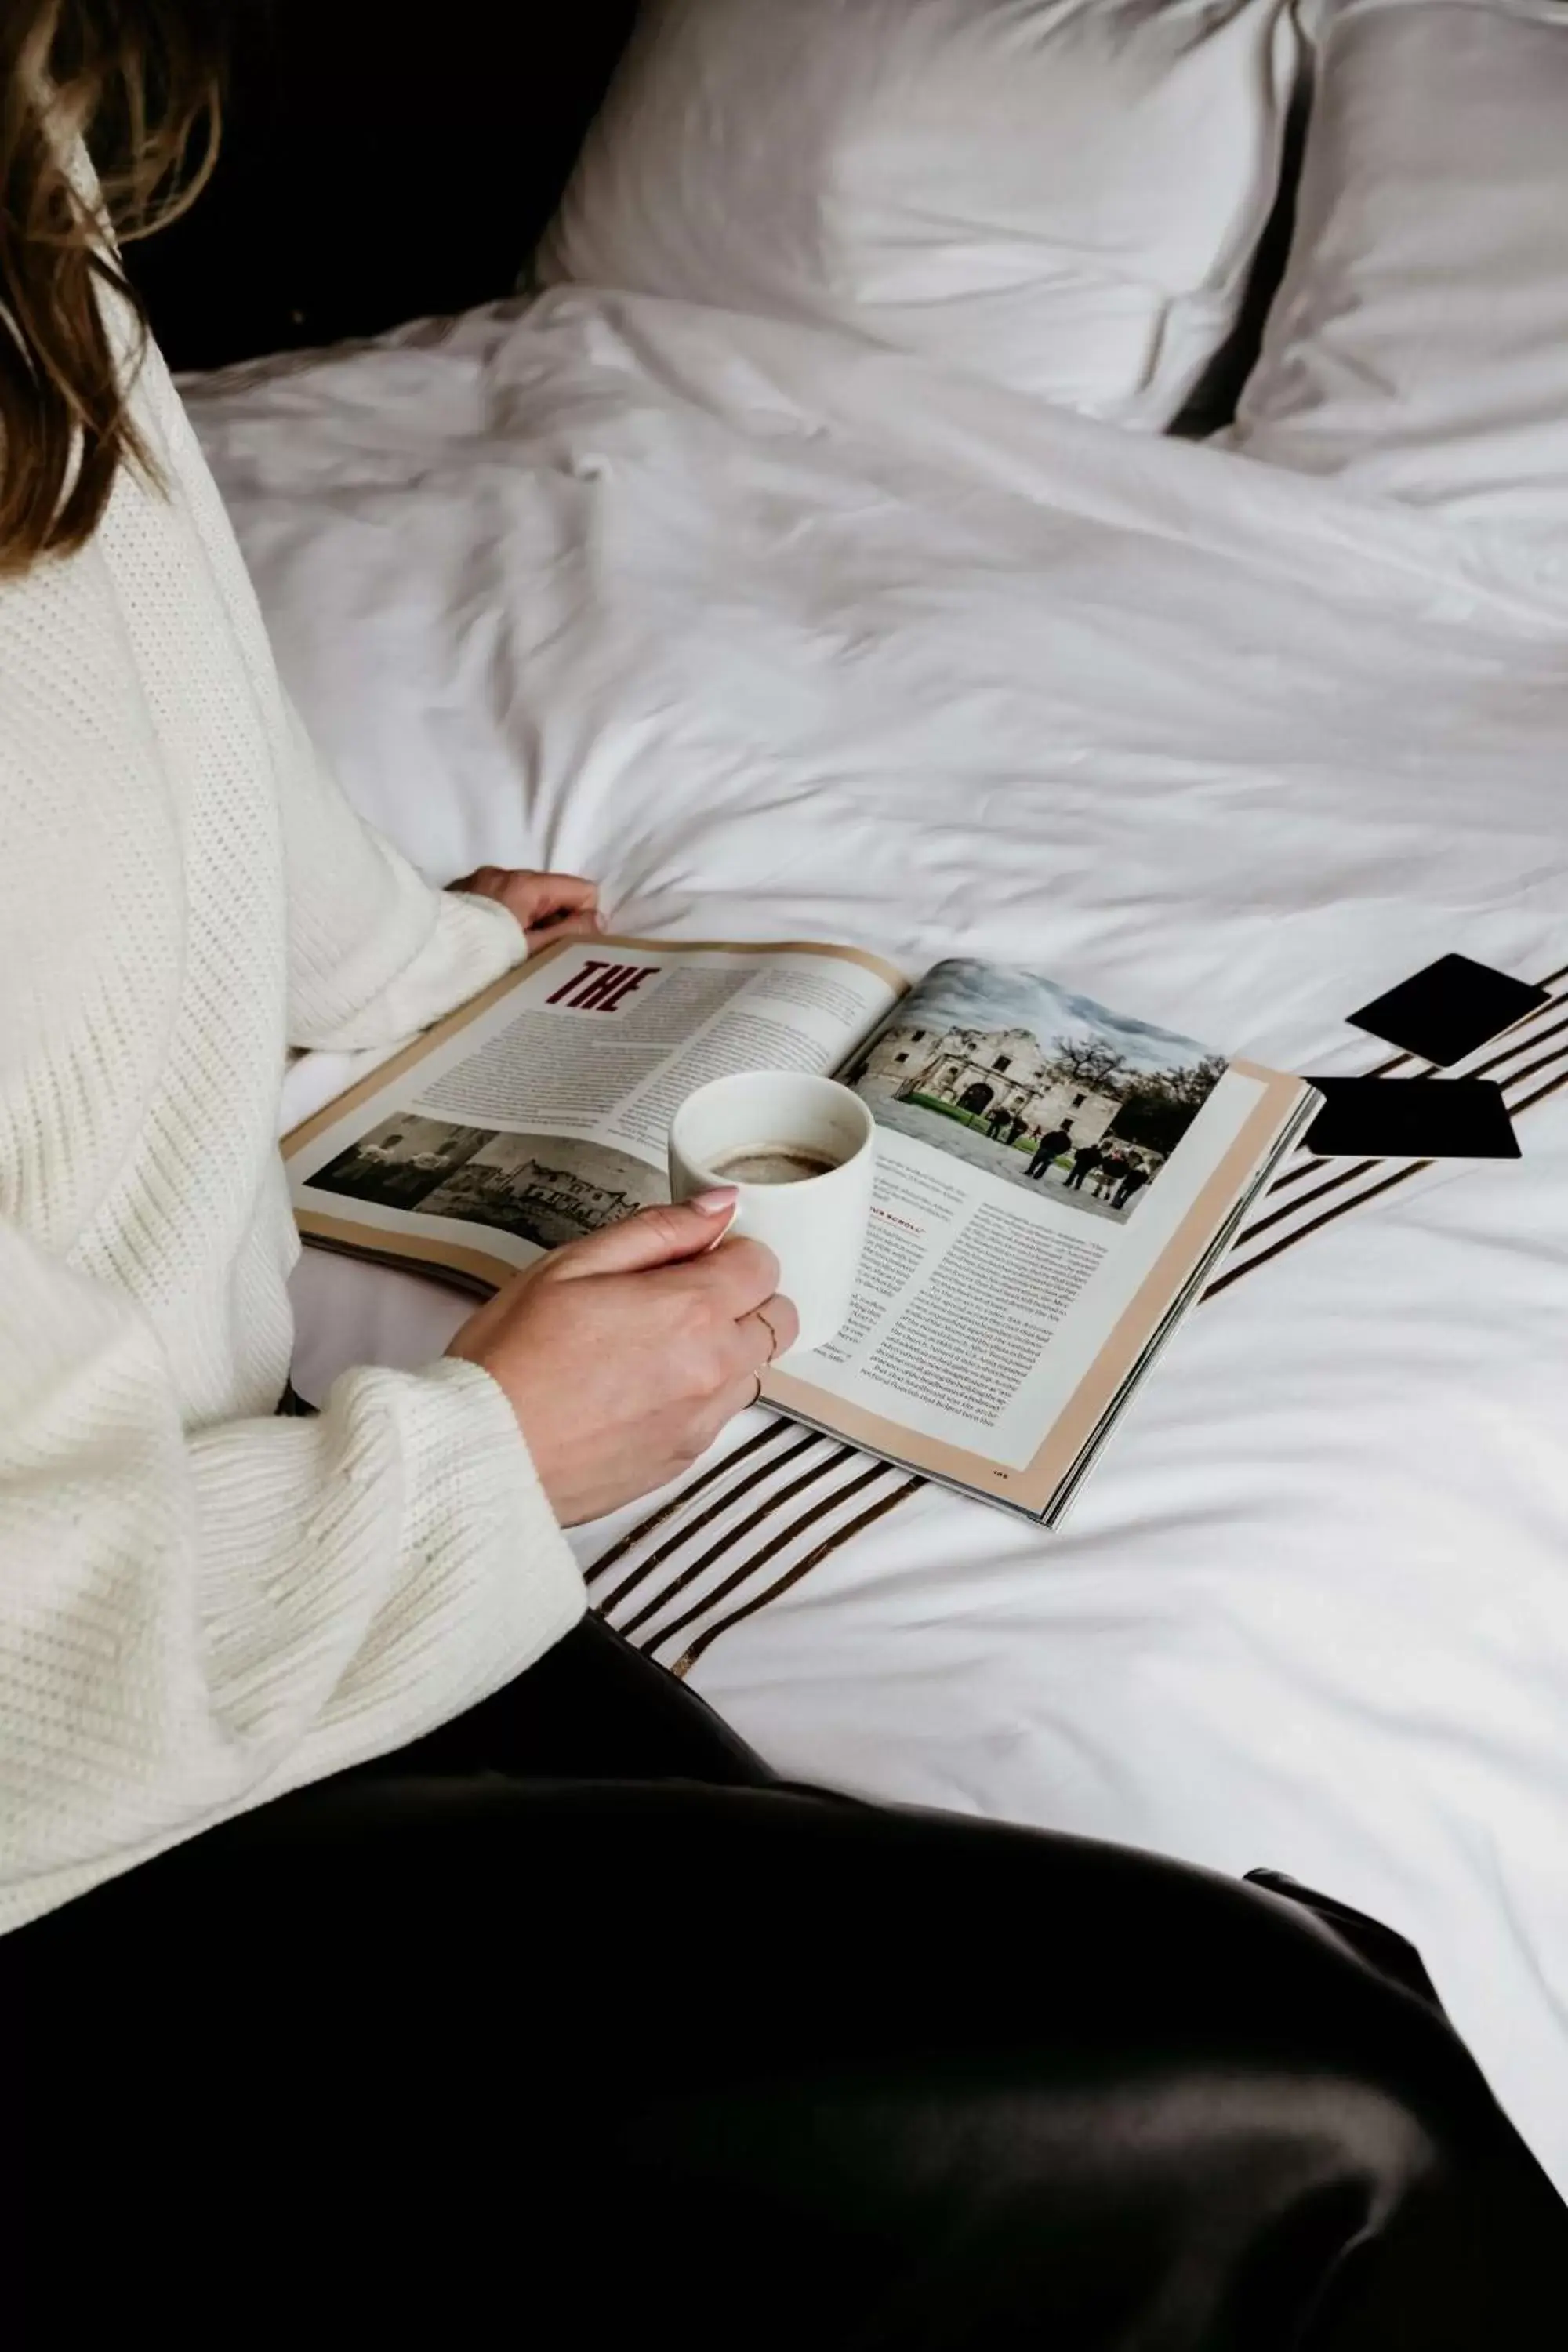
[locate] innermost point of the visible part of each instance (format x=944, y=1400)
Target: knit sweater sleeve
x=202, y=1606
x=374, y=952
x=192, y=1624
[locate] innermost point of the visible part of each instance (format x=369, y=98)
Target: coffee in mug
x=772, y=1163
x=800, y=1153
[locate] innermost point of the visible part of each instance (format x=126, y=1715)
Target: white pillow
x=1061, y=196
x=1418, y=345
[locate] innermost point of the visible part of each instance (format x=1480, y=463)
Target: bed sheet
x=781, y=637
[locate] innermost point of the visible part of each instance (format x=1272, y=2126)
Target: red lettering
x=568, y=985
x=601, y=987
x=633, y=977
x=596, y=996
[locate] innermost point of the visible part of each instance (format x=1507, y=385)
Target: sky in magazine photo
x=1004, y=1069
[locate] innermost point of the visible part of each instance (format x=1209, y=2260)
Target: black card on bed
x=1446, y=1010
x=1411, y=1118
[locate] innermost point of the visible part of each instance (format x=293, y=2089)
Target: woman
x=344, y=1879
x=223, y=904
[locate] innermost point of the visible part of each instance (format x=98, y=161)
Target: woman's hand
x=623, y=1355
x=548, y=905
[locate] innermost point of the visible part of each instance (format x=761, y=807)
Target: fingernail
x=717, y=1202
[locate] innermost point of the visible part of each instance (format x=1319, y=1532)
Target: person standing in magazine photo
x=348, y=1867
x=1084, y=1164
x=1134, y=1176
x=1048, y=1150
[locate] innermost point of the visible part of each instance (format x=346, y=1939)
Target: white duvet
x=780, y=636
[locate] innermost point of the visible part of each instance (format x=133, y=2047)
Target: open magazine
x=1054, y=1182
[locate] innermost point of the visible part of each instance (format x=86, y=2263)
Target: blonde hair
x=137, y=84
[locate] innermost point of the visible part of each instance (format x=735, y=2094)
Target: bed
x=782, y=634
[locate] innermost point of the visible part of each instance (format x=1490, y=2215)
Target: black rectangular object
x=1411, y=1118
x=1446, y=1010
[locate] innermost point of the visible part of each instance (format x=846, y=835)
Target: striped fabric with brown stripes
x=707, y=1546
x=1317, y=1196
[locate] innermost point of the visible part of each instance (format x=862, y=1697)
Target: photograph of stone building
x=984, y=1072
x=401, y=1162
x=548, y=1188
x=1005, y=1070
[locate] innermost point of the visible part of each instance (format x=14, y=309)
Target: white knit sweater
x=202, y=1606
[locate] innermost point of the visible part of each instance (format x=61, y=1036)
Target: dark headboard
x=371, y=174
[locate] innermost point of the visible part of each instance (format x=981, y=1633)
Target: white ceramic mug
x=815, y=1226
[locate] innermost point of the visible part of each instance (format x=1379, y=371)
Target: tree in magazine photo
x=1007, y=1071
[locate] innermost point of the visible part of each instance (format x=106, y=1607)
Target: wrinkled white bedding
x=781, y=637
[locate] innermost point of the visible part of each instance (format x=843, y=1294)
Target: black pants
x=572, y=2023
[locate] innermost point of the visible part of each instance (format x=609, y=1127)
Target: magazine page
x=1049, y=1173
x=539, y=1111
